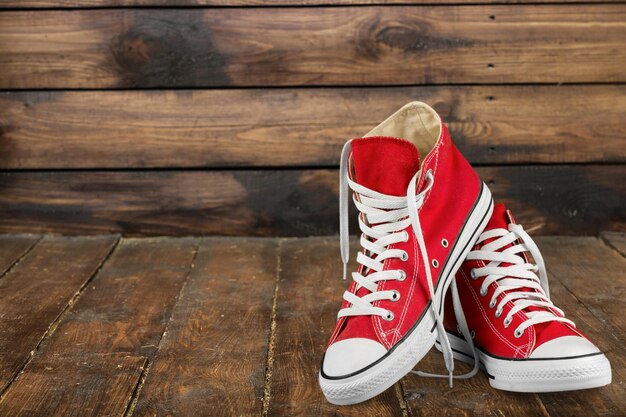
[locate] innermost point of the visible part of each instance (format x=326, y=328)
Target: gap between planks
x=20, y=258
x=269, y=365
x=400, y=394
x=132, y=402
x=607, y=241
x=61, y=315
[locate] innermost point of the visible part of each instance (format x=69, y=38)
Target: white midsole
x=410, y=351
x=538, y=375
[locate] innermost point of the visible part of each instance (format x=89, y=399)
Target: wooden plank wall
x=227, y=117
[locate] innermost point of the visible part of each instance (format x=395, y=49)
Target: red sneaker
x=418, y=223
x=521, y=339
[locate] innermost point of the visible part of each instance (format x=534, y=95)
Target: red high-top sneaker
x=520, y=338
x=418, y=223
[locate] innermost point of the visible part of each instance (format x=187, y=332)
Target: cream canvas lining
x=416, y=122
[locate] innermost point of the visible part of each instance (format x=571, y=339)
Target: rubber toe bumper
x=563, y=347
x=351, y=355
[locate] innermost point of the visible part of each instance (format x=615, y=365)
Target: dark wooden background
x=227, y=116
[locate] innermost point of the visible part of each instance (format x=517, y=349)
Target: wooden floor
x=236, y=326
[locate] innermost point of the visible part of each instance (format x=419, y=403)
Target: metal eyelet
x=507, y=321
x=404, y=257
x=483, y=291
x=435, y=263
x=473, y=274
x=444, y=243
x=473, y=334
x=406, y=236
x=389, y=316
x=395, y=296
x=518, y=334
x=402, y=275
x=498, y=313
x=492, y=303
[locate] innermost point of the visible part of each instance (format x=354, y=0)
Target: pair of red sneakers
x=426, y=225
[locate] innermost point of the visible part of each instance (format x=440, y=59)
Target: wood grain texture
x=36, y=292
x=257, y=3
x=95, y=385
x=14, y=247
x=472, y=397
x=127, y=305
x=616, y=240
x=596, y=265
x=213, y=355
x=305, y=127
x=115, y=325
x=129, y=48
x=76, y=371
x=564, y=199
x=308, y=298
x=587, y=281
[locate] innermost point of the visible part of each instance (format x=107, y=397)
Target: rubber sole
x=405, y=354
x=537, y=375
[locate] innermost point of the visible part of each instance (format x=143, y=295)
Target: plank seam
x=301, y=6
x=269, y=364
x=401, y=400
x=20, y=258
x=311, y=86
x=542, y=405
x=610, y=244
x=270, y=168
x=132, y=402
x=55, y=323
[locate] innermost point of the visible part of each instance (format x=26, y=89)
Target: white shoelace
x=520, y=275
x=390, y=215
x=518, y=280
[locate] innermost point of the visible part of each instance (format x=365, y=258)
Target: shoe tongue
x=500, y=218
x=384, y=164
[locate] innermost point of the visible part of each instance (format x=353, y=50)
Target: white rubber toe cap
x=350, y=355
x=563, y=347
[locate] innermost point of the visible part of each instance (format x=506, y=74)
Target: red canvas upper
x=386, y=165
x=490, y=333
x=389, y=171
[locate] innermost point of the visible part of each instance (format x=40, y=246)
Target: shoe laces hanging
x=443, y=337
x=389, y=215
x=383, y=220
